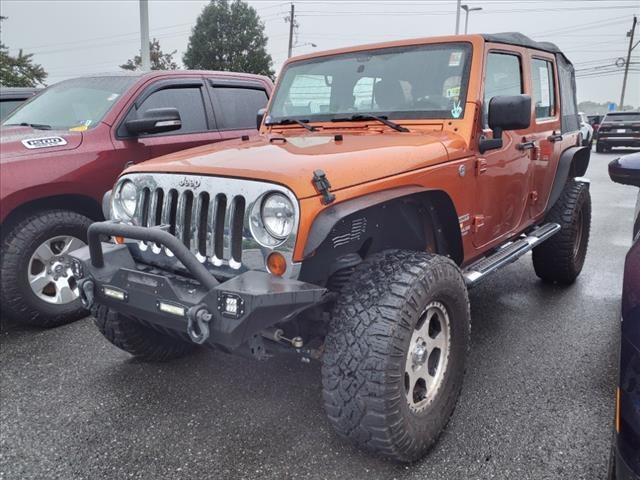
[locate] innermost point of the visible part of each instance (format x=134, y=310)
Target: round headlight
x=127, y=198
x=278, y=215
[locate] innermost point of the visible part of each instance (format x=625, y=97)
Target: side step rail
x=507, y=254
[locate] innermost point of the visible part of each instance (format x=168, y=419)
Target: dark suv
x=63, y=149
x=619, y=129
x=625, y=463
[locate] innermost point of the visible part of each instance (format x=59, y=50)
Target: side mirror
x=155, y=120
x=260, y=117
x=626, y=170
x=506, y=112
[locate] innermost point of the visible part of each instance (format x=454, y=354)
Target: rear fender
x=573, y=163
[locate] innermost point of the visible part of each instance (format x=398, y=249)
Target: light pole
x=145, y=54
x=311, y=44
x=468, y=9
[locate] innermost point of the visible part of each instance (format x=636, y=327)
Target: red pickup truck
x=61, y=151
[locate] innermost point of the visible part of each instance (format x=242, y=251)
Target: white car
x=586, y=130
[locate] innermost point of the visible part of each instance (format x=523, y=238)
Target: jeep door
x=546, y=130
x=190, y=96
x=503, y=174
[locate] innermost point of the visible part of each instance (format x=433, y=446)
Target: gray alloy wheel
x=427, y=356
x=49, y=274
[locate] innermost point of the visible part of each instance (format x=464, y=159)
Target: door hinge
x=481, y=166
x=478, y=223
x=322, y=186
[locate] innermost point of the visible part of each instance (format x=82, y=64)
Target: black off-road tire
x=561, y=258
x=141, y=341
x=17, y=299
x=363, y=371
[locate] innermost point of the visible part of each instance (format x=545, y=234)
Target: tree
x=19, y=71
x=229, y=36
x=159, y=59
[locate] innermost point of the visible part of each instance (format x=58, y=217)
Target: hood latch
x=322, y=185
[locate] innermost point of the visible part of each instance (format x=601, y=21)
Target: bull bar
x=226, y=314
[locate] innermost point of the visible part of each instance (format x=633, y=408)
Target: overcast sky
x=70, y=38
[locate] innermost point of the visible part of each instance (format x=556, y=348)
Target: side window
x=236, y=108
x=543, y=88
x=503, y=77
x=189, y=103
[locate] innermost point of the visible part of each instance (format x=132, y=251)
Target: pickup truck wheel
x=141, y=341
x=37, y=285
x=395, y=353
x=561, y=258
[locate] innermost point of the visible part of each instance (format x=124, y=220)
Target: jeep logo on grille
x=189, y=182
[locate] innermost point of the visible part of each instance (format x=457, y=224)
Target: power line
x=581, y=26
x=485, y=11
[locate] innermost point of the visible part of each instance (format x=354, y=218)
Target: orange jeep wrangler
x=385, y=181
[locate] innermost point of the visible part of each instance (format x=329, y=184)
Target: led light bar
x=172, y=308
x=115, y=293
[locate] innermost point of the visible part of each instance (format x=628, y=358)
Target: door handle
x=554, y=138
x=526, y=146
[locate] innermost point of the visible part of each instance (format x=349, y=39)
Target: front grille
x=210, y=215
x=211, y=227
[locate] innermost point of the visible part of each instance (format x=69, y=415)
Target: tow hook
x=277, y=335
x=198, y=318
x=85, y=288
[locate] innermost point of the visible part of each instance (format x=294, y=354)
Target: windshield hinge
x=322, y=185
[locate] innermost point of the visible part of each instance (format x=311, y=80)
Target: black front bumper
x=110, y=276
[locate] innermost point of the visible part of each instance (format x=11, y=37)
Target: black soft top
x=520, y=40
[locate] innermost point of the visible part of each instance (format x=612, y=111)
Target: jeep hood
x=13, y=140
x=291, y=160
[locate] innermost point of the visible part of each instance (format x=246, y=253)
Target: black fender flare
x=329, y=217
x=573, y=162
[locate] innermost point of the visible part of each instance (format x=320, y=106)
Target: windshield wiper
x=381, y=119
x=37, y=126
x=291, y=121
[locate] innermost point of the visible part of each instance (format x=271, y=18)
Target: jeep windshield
x=77, y=104
x=414, y=82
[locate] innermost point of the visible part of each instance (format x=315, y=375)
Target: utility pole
x=292, y=23
x=145, y=53
x=626, y=64
x=458, y=16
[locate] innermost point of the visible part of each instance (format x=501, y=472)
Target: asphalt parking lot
x=537, y=402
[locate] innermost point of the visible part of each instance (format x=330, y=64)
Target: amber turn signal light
x=118, y=239
x=276, y=264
